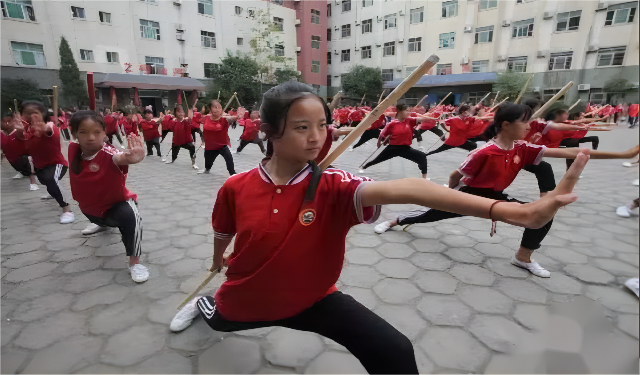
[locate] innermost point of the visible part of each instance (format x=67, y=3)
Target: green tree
x=286, y=74
x=618, y=85
x=267, y=43
x=74, y=90
x=237, y=73
x=20, y=89
x=362, y=80
x=509, y=84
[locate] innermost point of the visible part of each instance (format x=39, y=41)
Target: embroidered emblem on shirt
x=93, y=167
x=307, y=216
x=516, y=159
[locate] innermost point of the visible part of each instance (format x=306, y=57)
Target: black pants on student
x=164, y=134
x=435, y=130
x=125, y=217
x=175, y=149
x=49, y=176
x=23, y=165
x=65, y=134
x=403, y=151
x=153, y=143
x=368, y=134
x=573, y=142
x=244, y=144
x=468, y=145
x=633, y=121
x=211, y=155
x=380, y=347
x=531, y=238
x=544, y=175
x=110, y=136
x=193, y=134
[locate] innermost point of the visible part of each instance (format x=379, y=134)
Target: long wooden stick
x=574, y=104
x=421, y=100
x=15, y=105
x=445, y=98
x=199, y=288
x=362, y=101
x=596, y=111
x=524, y=88
x=54, y=104
x=218, y=95
x=548, y=104
x=229, y=102
x=497, y=105
x=334, y=101
x=374, y=152
x=494, y=99
x=382, y=93
x=482, y=100
x=392, y=99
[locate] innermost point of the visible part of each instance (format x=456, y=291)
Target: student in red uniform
x=15, y=150
x=129, y=124
x=198, y=120
x=489, y=170
x=289, y=251
x=250, y=132
x=151, y=133
x=98, y=177
x=459, y=131
x=63, y=124
x=372, y=133
x=181, y=127
x=166, y=124
x=43, y=145
x=111, y=126
x=633, y=115
x=216, y=137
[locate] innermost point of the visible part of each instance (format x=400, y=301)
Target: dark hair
x=175, y=109
x=74, y=124
x=508, y=112
x=33, y=103
x=214, y=100
x=553, y=114
x=147, y=111
x=401, y=107
x=532, y=103
x=462, y=109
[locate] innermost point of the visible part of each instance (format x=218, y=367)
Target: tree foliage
x=20, y=89
x=362, y=80
x=618, y=85
x=286, y=74
x=266, y=36
x=510, y=84
x=237, y=73
x=74, y=90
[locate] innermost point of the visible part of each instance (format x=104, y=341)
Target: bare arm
x=342, y=131
x=219, y=247
x=572, y=153
x=566, y=127
x=134, y=152
x=425, y=118
x=454, y=178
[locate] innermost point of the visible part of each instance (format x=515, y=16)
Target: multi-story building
x=587, y=42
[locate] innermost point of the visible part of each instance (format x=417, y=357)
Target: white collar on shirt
x=297, y=178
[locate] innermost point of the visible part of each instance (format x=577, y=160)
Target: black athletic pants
x=368, y=135
x=193, y=134
x=22, y=165
x=633, y=121
x=244, y=144
x=380, y=347
x=49, y=176
x=544, y=175
x=402, y=151
x=164, y=134
x=175, y=149
x=573, y=142
x=110, y=136
x=531, y=238
x=468, y=145
x=150, y=144
x=124, y=216
x=435, y=130
x=211, y=155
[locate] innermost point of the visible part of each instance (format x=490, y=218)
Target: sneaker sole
x=526, y=269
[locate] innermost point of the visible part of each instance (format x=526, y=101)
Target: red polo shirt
x=13, y=147
x=111, y=125
x=216, y=133
x=401, y=132
x=181, y=131
x=150, y=130
x=251, y=129
x=459, y=130
x=45, y=150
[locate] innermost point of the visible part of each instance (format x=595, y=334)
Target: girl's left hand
x=135, y=147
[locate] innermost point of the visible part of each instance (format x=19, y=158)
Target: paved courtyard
x=69, y=305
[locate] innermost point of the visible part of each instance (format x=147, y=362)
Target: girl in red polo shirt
x=372, y=133
x=111, y=126
x=461, y=131
x=151, y=133
x=98, y=177
x=181, y=127
x=287, y=201
x=216, y=137
x=250, y=133
x=166, y=124
x=15, y=150
x=129, y=124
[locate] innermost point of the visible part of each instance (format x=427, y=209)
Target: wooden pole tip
x=433, y=58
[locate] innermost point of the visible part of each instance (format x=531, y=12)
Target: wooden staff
x=482, y=100
x=445, y=98
x=238, y=100
x=15, y=105
x=392, y=99
x=374, y=151
x=497, y=105
x=523, y=89
x=597, y=110
x=54, y=104
x=548, y=104
x=574, y=104
x=218, y=95
x=202, y=285
x=382, y=93
x=229, y=102
x=362, y=101
x=334, y=102
x=421, y=100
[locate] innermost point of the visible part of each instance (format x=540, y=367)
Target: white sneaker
x=19, y=175
x=623, y=211
x=33, y=187
x=67, y=218
x=382, y=227
x=194, y=167
x=203, y=171
x=185, y=316
x=234, y=151
x=93, y=228
x=168, y=162
x=627, y=164
x=350, y=149
x=635, y=182
x=361, y=171
x=139, y=273
x=532, y=267
x=48, y=196
x=634, y=285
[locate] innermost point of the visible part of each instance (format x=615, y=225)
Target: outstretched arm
x=566, y=127
x=134, y=152
x=573, y=152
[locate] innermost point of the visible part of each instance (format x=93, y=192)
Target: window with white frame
x=449, y=8
x=345, y=55
x=367, y=3
x=77, y=12
x=367, y=26
x=480, y=66
x=611, y=56
x=346, y=31
x=484, y=34
x=415, y=44
x=488, y=4
x=328, y=79
x=278, y=50
x=328, y=10
x=390, y=21
x=238, y=10
x=365, y=52
x=517, y=64
x=279, y=23
x=387, y=75
x=104, y=17
x=596, y=96
x=315, y=66
x=550, y=93
x=329, y=34
x=240, y=41
x=447, y=40
x=19, y=9
x=568, y=21
x=474, y=97
x=210, y=69
x=315, y=41
x=328, y=58
x=389, y=49
x=28, y=54
x=522, y=29
x=86, y=55
x=155, y=64
x=315, y=16
x=279, y=2
x=416, y=15
x=560, y=61
x=621, y=13
x=346, y=5
x=443, y=69
x=410, y=69
x=207, y=39
x=150, y=29
x=113, y=57
x=205, y=7
x=149, y=1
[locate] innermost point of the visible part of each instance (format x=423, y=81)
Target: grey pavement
x=69, y=305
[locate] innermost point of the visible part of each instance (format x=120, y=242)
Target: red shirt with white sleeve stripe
x=401, y=132
x=45, y=150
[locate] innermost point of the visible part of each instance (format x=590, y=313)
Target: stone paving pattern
x=70, y=306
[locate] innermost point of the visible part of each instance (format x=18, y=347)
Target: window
x=346, y=31
x=346, y=5
x=389, y=49
x=568, y=21
x=367, y=26
x=328, y=58
x=205, y=7
x=328, y=79
x=315, y=41
x=549, y=93
x=278, y=50
x=560, y=61
x=328, y=10
x=448, y=40
x=210, y=69
x=517, y=64
x=155, y=64
x=389, y=21
x=611, y=56
x=365, y=52
x=387, y=75
x=474, y=97
x=484, y=34
x=240, y=41
x=346, y=55
x=279, y=2
x=315, y=16
x=443, y=69
x=449, y=8
x=328, y=34
x=19, y=9
x=113, y=57
x=480, y=66
x=596, y=96
x=410, y=69
x=238, y=10
x=279, y=22
x=86, y=55
x=620, y=13
x=28, y=54
x=105, y=17
x=415, y=44
x=367, y=3
x=207, y=39
x=522, y=29
x=488, y=4
x=149, y=29
x=315, y=66
x=416, y=15
x=77, y=12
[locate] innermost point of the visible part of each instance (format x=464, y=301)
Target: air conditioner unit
x=468, y=29
x=335, y=53
x=357, y=23
x=297, y=22
x=542, y=54
x=399, y=68
x=502, y=58
x=180, y=37
x=465, y=60
x=297, y=71
x=298, y=49
x=337, y=2
x=336, y=28
x=296, y=1
x=547, y=15
x=378, y=19
x=584, y=87
x=378, y=45
x=400, y=40
x=182, y=61
x=506, y=23
x=401, y=13
x=177, y=2
x=535, y=89
x=602, y=6
x=179, y=27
